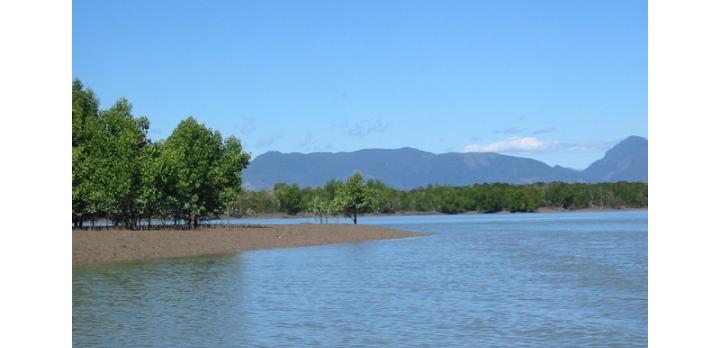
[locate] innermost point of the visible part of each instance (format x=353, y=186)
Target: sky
x=558, y=81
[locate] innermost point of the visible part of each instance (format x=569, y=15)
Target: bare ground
x=98, y=246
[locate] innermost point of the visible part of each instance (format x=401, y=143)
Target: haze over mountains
x=407, y=168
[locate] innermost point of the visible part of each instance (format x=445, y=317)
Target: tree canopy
x=356, y=197
x=119, y=174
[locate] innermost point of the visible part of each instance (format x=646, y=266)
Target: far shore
x=115, y=245
x=539, y=211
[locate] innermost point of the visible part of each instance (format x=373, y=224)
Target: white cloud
x=513, y=144
x=589, y=146
x=535, y=145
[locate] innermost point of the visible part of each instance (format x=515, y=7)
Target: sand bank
x=123, y=245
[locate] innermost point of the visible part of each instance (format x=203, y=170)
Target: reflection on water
x=481, y=280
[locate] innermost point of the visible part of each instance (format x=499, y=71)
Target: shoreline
x=115, y=245
x=542, y=210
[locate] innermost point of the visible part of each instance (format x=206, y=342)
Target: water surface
x=565, y=279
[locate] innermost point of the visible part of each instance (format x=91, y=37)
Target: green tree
x=204, y=169
x=560, y=194
x=125, y=139
x=85, y=139
x=354, y=197
x=289, y=196
x=226, y=174
x=383, y=195
x=321, y=208
x=490, y=198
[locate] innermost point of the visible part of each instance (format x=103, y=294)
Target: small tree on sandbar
x=354, y=197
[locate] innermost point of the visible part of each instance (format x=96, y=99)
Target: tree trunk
x=355, y=217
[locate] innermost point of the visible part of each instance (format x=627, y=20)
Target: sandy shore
x=122, y=245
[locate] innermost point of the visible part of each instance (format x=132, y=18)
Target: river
x=544, y=279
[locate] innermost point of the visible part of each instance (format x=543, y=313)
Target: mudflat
x=99, y=246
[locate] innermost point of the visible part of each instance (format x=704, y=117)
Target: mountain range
x=407, y=168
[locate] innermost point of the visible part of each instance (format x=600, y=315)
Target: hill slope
x=407, y=168
x=626, y=161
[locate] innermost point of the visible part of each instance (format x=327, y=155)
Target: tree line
x=120, y=175
x=375, y=197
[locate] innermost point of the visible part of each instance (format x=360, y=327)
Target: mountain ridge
x=407, y=168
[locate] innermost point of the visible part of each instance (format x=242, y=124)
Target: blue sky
x=559, y=81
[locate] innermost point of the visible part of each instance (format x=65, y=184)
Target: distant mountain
x=407, y=168
x=626, y=161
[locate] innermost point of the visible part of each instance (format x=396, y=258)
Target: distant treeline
x=483, y=198
x=119, y=175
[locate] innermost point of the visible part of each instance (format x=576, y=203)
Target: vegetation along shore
x=329, y=200
x=541, y=210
